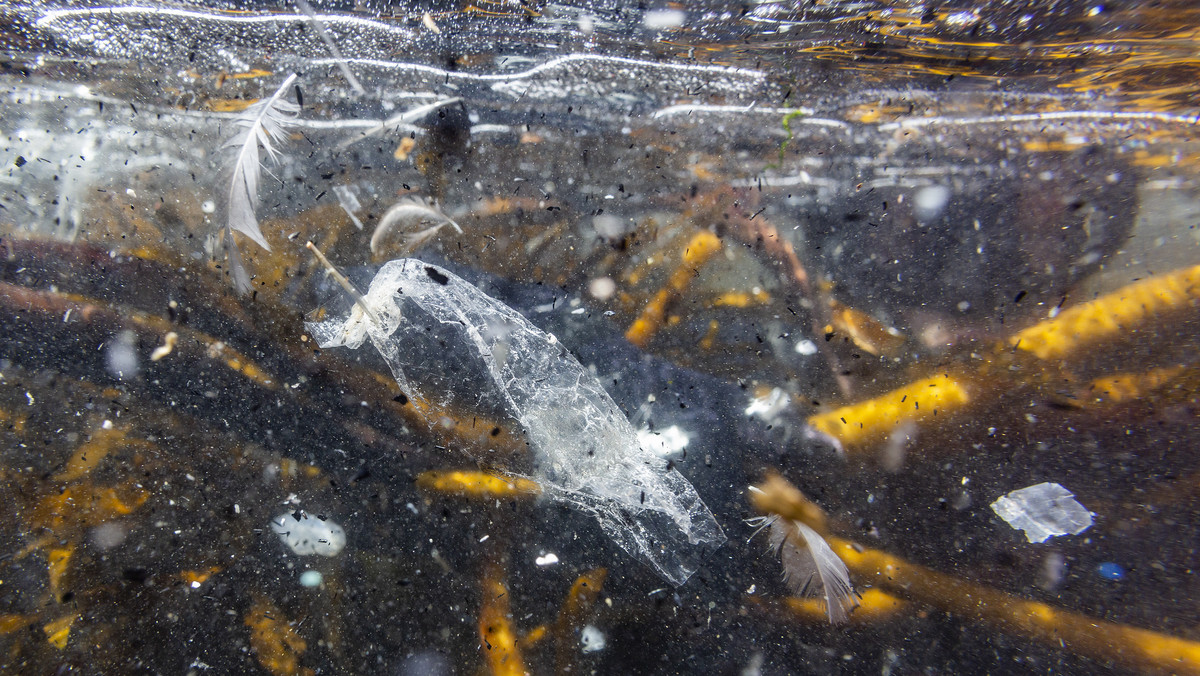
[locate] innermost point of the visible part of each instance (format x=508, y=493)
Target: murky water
x=911, y=259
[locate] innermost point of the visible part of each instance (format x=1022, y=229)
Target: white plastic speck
x=592, y=639
x=305, y=534
x=1043, y=511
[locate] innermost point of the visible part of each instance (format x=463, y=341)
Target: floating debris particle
x=669, y=443
x=121, y=357
x=1042, y=511
x=602, y=288
x=930, y=201
x=1110, y=571
x=311, y=578
x=546, y=559
x=769, y=406
x=165, y=349
x=592, y=640
x=349, y=203
x=305, y=534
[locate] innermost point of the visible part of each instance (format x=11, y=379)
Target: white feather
x=810, y=567
x=407, y=215
x=237, y=270
x=333, y=48
x=407, y=117
x=265, y=123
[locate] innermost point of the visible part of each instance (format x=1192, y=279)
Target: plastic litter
x=1042, y=511
x=449, y=342
x=1110, y=571
x=306, y=535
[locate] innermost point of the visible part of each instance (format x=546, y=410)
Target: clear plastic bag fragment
x=1043, y=511
x=586, y=454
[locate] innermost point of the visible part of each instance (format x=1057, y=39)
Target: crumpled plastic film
x=1043, y=511
x=586, y=453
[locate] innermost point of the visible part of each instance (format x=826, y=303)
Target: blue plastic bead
x=1110, y=571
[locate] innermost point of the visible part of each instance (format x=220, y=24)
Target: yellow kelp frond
x=478, y=485
x=58, y=632
x=1135, y=648
x=865, y=331
x=1111, y=316
x=275, y=643
x=1125, y=387
x=874, y=419
x=700, y=248
x=575, y=610
x=497, y=636
x=874, y=606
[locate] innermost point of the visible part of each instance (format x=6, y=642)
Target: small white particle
x=930, y=201
x=663, y=18
x=592, y=639
x=546, y=559
x=602, y=288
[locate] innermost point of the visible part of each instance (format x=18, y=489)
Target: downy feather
x=811, y=568
x=265, y=123
x=407, y=215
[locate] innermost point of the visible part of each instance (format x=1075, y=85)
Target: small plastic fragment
x=592, y=640
x=1042, y=511
x=455, y=346
x=305, y=534
x=1110, y=571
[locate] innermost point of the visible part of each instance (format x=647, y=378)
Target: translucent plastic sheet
x=586, y=453
x=1043, y=511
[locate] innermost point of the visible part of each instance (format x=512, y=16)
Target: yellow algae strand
x=1135, y=648
x=478, y=485
x=498, y=638
x=275, y=643
x=874, y=419
x=1111, y=316
x=699, y=250
x=874, y=606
